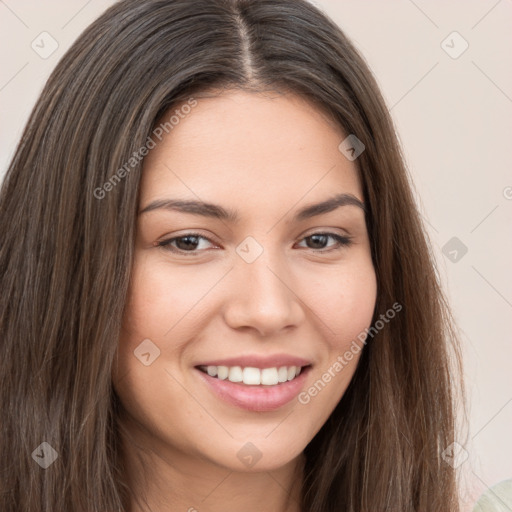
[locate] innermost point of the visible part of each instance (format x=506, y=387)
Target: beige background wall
x=453, y=111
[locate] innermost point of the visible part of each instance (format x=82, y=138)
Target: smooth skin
x=265, y=156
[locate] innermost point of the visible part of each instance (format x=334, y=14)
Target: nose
x=262, y=296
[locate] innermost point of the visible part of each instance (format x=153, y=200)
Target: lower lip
x=256, y=398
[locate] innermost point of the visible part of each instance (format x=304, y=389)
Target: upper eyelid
x=326, y=230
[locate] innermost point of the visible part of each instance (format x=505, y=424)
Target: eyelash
x=343, y=241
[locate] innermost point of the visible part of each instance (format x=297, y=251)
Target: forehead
x=249, y=148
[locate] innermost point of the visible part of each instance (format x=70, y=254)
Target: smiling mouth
x=251, y=376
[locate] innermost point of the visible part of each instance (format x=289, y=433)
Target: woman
x=216, y=288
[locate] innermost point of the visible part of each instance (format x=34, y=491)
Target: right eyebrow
x=193, y=207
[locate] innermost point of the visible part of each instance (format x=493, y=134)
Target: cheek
x=160, y=297
x=344, y=305
x=343, y=301
x=146, y=319
x=164, y=305
x=356, y=303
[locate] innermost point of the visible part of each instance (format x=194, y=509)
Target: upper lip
x=258, y=361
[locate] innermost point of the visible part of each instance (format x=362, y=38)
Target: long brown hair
x=67, y=248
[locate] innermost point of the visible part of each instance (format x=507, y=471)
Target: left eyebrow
x=218, y=212
x=329, y=205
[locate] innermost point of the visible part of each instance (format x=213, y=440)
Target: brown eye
x=184, y=244
x=188, y=243
x=319, y=241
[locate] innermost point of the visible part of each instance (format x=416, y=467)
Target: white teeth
x=253, y=376
x=222, y=372
x=282, y=374
x=269, y=376
x=235, y=374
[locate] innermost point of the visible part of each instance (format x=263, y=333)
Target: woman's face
x=216, y=299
